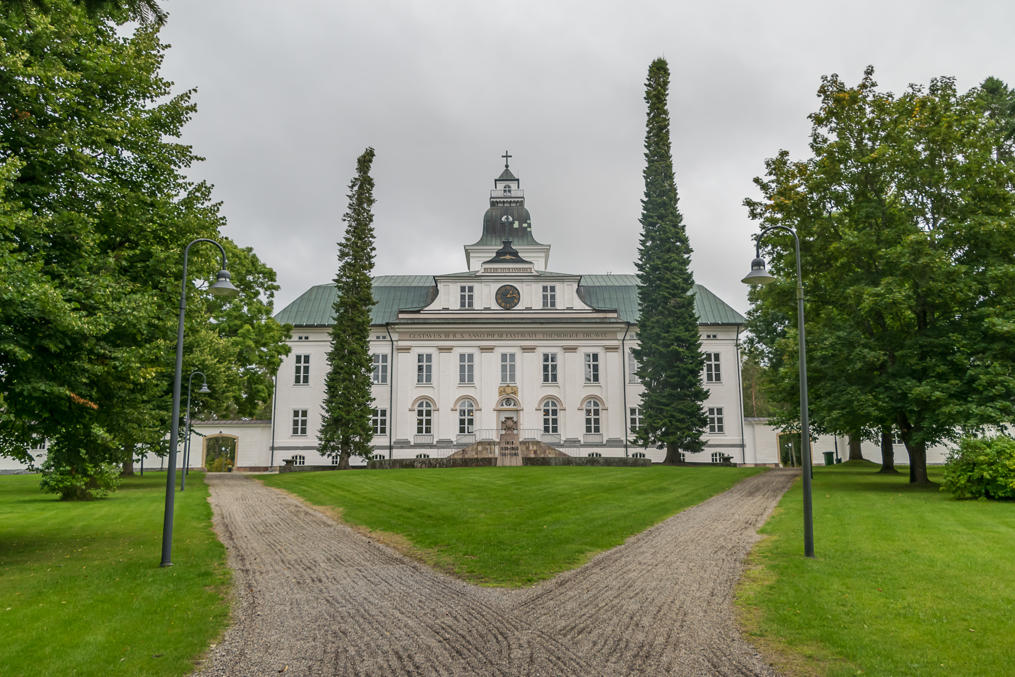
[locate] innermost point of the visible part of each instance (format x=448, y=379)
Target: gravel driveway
x=313, y=597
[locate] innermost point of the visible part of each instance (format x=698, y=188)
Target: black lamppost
x=221, y=287
x=759, y=275
x=186, y=441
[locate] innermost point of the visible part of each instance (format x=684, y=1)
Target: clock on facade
x=508, y=297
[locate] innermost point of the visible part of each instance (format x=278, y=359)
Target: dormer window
x=507, y=189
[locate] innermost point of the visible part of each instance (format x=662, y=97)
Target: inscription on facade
x=504, y=335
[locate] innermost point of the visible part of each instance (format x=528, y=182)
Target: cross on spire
x=507, y=156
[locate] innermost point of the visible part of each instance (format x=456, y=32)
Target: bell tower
x=507, y=219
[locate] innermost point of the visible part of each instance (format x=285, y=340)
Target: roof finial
x=507, y=156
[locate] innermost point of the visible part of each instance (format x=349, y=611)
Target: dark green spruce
x=670, y=362
x=345, y=426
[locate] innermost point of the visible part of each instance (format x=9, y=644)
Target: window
x=424, y=368
x=466, y=418
x=634, y=415
x=717, y=457
x=466, y=294
x=334, y=460
x=549, y=367
x=299, y=459
x=594, y=454
x=507, y=367
x=592, y=417
x=380, y=374
x=302, y=375
x=424, y=418
x=466, y=368
x=302, y=338
x=711, y=336
x=422, y=455
x=712, y=373
x=896, y=437
x=551, y=418
x=592, y=367
x=715, y=424
x=379, y=421
x=299, y=421
x=549, y=296
x=632, y=367
x=638, y=454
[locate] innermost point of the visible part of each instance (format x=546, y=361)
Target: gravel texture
x=313, y=597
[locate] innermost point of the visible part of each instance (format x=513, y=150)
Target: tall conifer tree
x=670, y=362
x=346, y=428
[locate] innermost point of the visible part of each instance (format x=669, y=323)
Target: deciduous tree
x=907, y=223
x=97, y=212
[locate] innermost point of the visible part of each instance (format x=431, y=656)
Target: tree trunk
x=917, y=463
x=887, y=452
x=128, y=467
x=672, y=454
x=854, y=448
x=343, y=460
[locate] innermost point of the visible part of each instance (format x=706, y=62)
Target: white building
x=456, y=354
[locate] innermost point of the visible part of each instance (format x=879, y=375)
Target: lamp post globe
x=221, y=287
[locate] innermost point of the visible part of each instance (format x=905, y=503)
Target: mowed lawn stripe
x=510, y=526
x=907, y=581
x=83, y=593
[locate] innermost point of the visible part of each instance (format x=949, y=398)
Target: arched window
x=592, y=417
x=551, y=418
x=466, y=417
x=424, y=418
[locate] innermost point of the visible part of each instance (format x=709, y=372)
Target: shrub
x=982, y=467
x=220, y=464
x=79, y=481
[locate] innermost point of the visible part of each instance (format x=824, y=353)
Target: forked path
x=313, y=597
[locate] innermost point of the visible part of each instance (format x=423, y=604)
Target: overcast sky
x=290, y=93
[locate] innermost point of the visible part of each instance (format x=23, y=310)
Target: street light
x=759, y=275
x=221, y=287
x=186, y=441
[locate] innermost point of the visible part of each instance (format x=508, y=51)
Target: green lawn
x=906, y=581
x=82, y=592
x=510, y=526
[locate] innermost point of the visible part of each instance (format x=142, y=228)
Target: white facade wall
x=403, y=391
x=762, y=447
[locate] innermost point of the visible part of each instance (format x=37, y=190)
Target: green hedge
x=982, y=467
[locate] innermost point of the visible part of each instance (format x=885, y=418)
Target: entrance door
x=789, y=450
x=220, y=453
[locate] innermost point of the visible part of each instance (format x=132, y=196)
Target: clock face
x=508, y=297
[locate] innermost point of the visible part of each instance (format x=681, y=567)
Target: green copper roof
x=620, y=293
x=412, y=292
x=391, y=294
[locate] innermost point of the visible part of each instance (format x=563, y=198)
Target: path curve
x=313, y=597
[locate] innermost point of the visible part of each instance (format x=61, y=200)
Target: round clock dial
x=508, y=297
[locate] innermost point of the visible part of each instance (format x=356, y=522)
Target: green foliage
x=511, y=526
x=981, y=467
x=82, y=591
x=220, y=464
x=95, y=211
x=670, y=361
x=907, y=581
x=906, y=220
x=76, y=478
x=345, y=426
